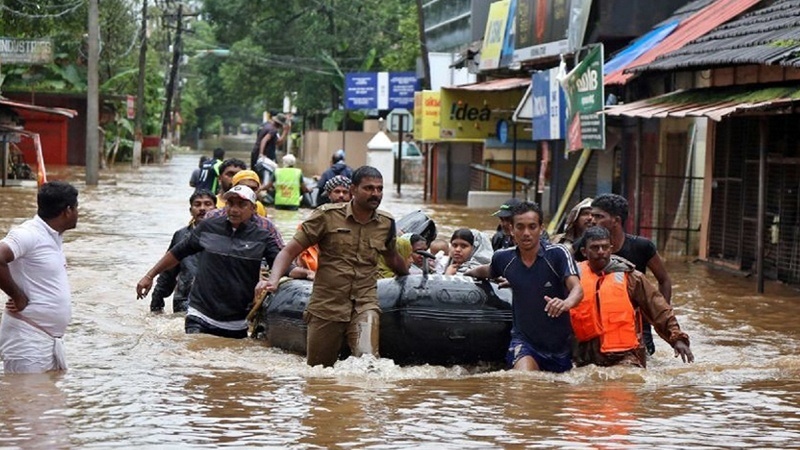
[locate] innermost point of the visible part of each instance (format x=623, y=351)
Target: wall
x=319, y=146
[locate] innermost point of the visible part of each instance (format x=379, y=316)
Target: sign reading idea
x=25, y=51
x=584, y=88
x=380, y=90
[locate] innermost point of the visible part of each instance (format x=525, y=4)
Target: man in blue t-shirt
x=545, y=285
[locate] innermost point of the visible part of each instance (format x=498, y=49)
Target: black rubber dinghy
x=426, y=319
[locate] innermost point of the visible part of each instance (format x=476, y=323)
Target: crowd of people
x=579, y=297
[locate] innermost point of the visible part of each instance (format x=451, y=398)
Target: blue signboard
x=549, y=107
x=361, y=90
x=380, y=90
x=402, y=86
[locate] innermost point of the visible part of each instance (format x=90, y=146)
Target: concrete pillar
x=379, y=156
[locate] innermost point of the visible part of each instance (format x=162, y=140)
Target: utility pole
x=173, y=73
x=93, y=98
x=140, y=112
x=423, y=48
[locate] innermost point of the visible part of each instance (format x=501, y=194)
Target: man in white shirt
x=33, y=273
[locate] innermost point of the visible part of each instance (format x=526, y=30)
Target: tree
x=303, y=46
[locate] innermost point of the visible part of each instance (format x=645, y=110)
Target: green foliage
x=303, y=46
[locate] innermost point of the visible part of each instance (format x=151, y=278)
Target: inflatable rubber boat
x=426, y=319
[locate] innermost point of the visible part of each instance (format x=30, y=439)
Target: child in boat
x=469, y=248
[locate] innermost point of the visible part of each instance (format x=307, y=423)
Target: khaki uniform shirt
x=346, y=280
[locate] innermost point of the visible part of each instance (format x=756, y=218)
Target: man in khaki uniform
x=344, y=301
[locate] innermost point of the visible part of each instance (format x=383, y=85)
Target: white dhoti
x=26, y=348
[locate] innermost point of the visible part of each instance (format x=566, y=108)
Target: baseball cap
x=507, y=207
x=241, y=191
x=280, y=119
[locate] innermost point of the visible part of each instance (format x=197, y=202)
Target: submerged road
x=137, y=380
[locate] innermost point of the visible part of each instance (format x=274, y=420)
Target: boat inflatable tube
x=425, y=319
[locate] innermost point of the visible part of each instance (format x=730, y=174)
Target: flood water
x=137, y=380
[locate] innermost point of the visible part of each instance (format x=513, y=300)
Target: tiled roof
x=691, y=28
x=770, y=35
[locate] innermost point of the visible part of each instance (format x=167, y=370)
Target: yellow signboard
x=473, y=114
x=426, y=116
x=493, y=36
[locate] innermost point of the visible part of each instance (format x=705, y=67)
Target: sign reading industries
x=380, y=90
x=584, y=88
x=549, y=107
x=25, y=51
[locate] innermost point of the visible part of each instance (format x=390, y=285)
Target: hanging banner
x=493, y=36
x=584, y=89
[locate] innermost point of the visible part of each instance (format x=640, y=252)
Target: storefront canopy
x=714, y=103
x=43, y=109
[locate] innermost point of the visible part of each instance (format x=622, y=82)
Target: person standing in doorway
x=610, y=211
x=545, y=286
x=33, y=273
x=344, y=301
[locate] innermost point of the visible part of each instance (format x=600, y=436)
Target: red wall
x=52, y=131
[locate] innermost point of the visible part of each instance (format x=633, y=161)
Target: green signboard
x=584, y=88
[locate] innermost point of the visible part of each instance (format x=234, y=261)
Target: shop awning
x=502, y=84
x=714, y=103
x=43, y=109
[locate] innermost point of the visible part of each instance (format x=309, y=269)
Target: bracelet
x=147, y=275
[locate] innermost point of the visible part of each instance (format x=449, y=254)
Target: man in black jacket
x=232, y=247
x=180, y=278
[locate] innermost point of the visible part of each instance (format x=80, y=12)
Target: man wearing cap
x=251, y=180
x=503, y=238
x=229, y=267
x=288, y=184
x=344, y=301
x=272, y=134
x=338, y=167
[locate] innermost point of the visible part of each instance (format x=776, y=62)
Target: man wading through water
x=344, y=300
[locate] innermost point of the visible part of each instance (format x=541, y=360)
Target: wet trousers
x=325, y=337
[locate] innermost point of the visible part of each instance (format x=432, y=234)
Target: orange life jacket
x=605, y=311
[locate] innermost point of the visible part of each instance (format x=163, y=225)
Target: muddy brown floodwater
x=137, y=380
